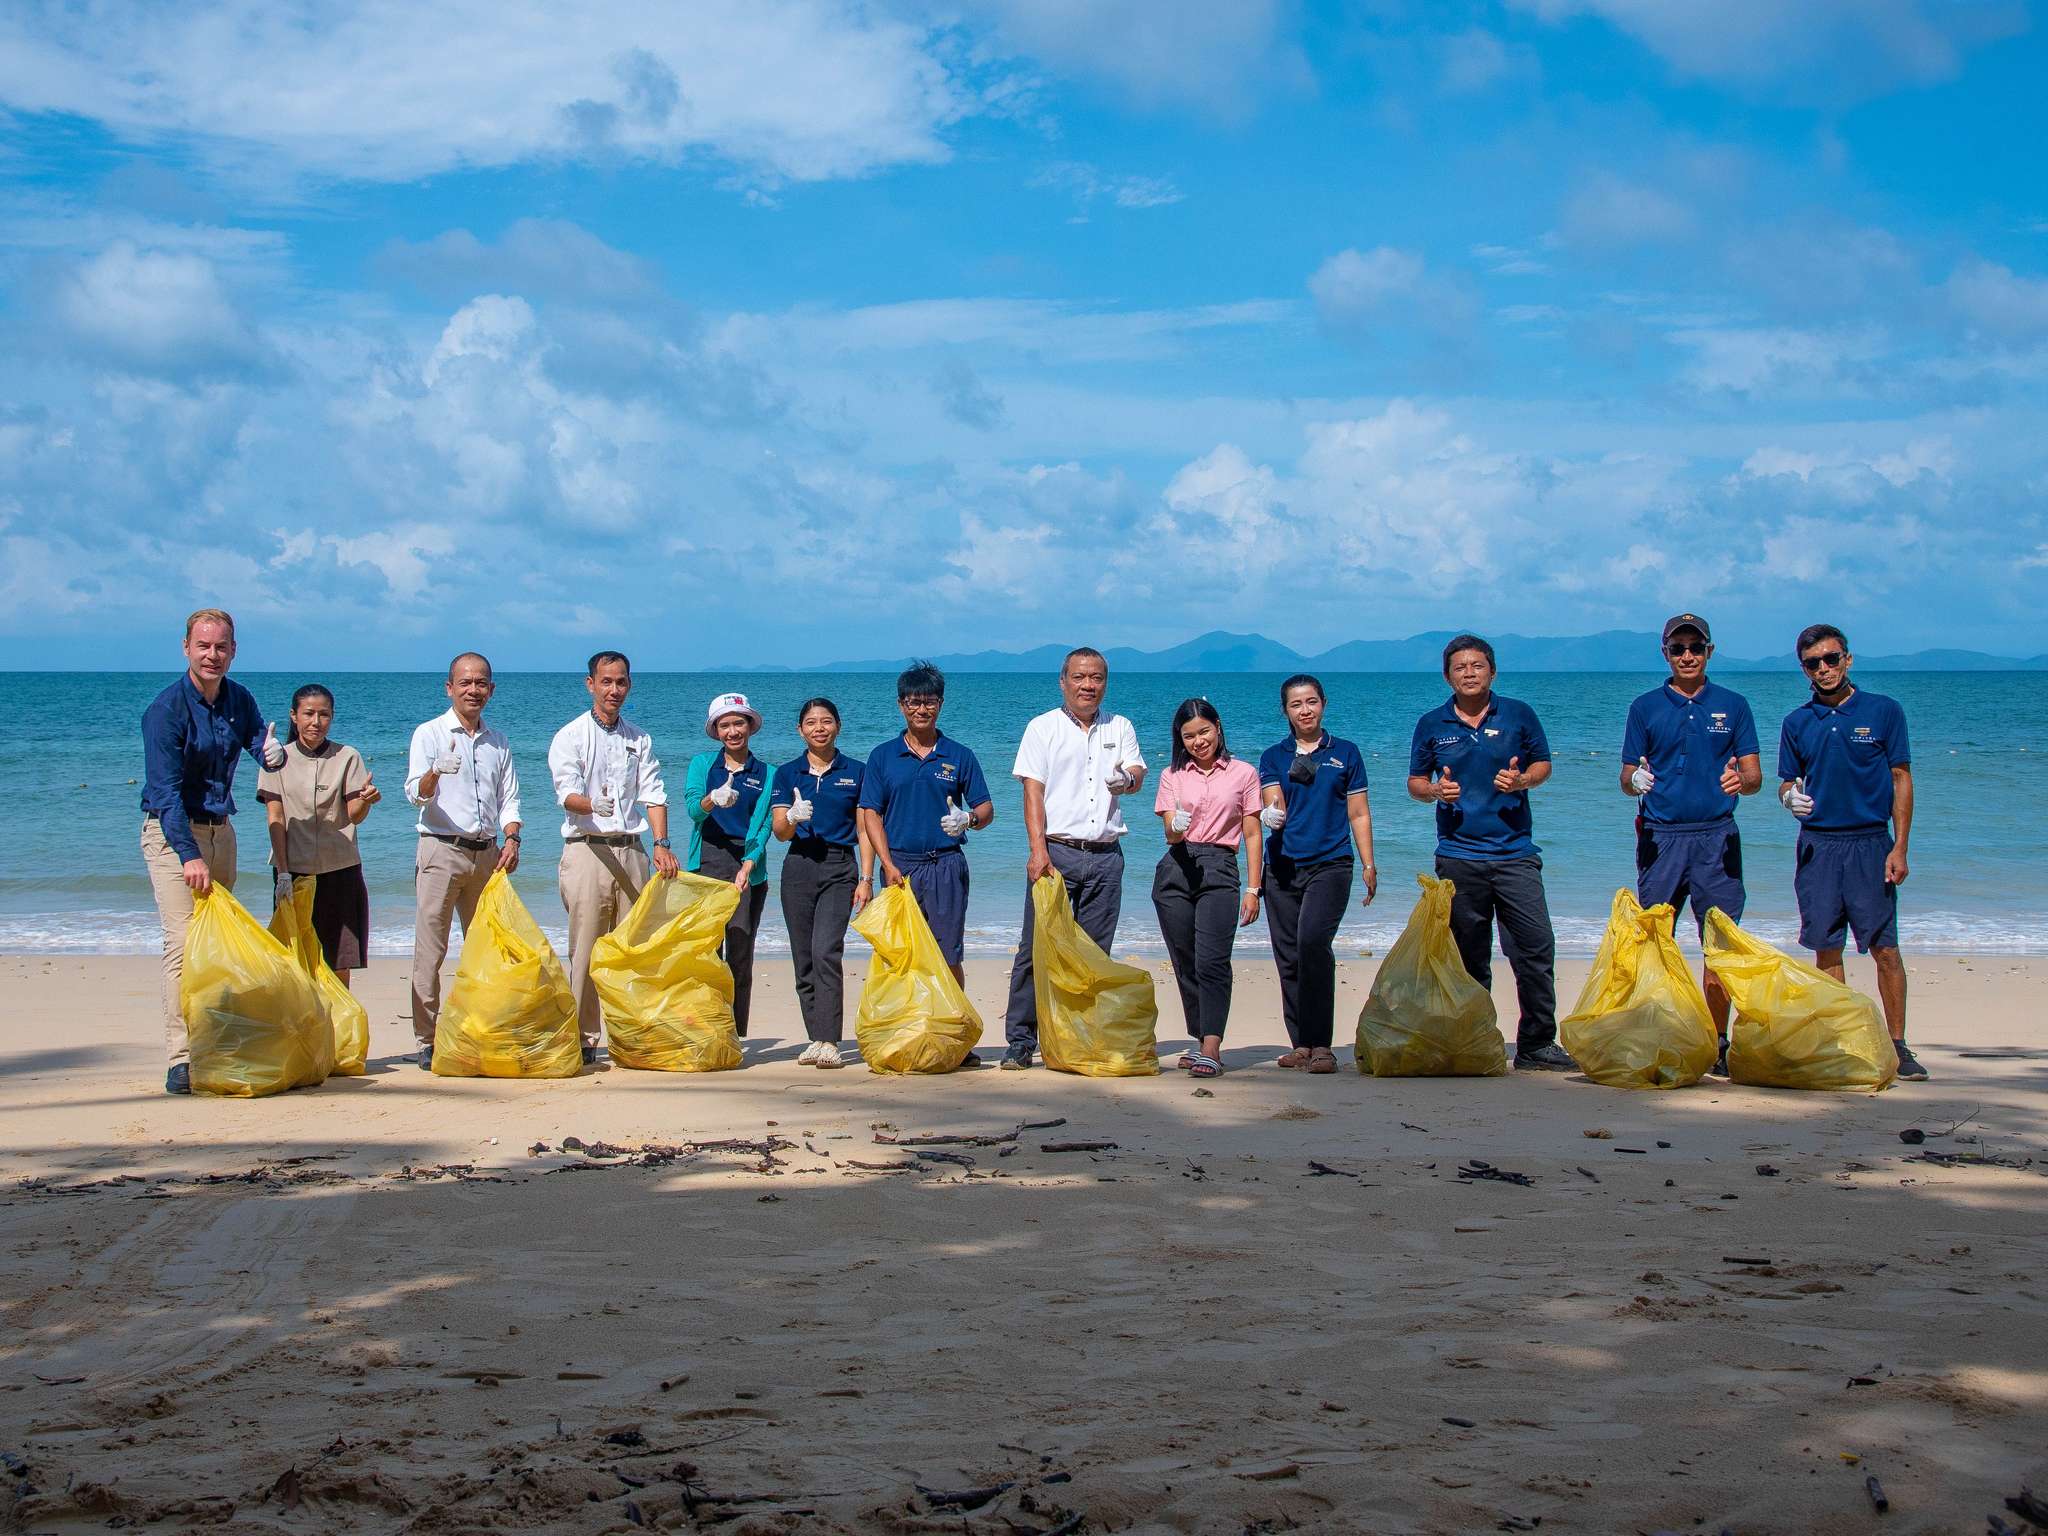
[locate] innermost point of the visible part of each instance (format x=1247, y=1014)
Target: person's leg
x=799, y=895
x=1215, y=933
x=1020, y=1014
x=1531, y=947
x=834, y=908
x=1891, y=988
x=626, y=871
x=1716, y=882
x=940, y=886
x=1823, y=915
x=1173, y=900
x=174, y=910
x=1322, y=910
x=739, y=952
x=1095, y=885
x=1471, y=914
x=439, y=873
x=1283, y=929
x=585, y=888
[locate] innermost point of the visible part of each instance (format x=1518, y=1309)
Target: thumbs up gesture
x=1796, y=800
x=1731, y=777
x=273, y=754
x=957, y=820
x=370, y=793
x=1644, y=781
x=726, y=795
x=799, y=808
x=1509, y=780
x=1447, y=788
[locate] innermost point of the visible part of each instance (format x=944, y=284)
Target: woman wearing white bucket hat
x=727, y=795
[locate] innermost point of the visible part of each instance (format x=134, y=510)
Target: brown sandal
x=1322, y=1060
x=1295, y=1060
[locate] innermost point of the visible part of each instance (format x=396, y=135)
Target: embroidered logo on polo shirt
x=944, y=773
x=1491, y=731
x=1861, y=733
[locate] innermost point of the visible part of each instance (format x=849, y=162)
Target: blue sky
x=790, y=330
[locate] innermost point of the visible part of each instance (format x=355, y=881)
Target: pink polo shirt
x=1216, y=802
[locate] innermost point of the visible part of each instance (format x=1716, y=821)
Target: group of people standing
x=1288, y=836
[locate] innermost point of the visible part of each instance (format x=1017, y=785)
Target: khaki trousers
x=599, y=883
x=447, y=881
x=174, y=907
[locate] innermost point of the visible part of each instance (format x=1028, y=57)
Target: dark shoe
x=426, y=1058
x=590, y=1055
x=1909, y=1064
x=1720, y=1066
x=1017, y=1058
x=179, y=1079
x=1545, y=1058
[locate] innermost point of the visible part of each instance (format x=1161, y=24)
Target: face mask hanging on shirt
x=1303, y=770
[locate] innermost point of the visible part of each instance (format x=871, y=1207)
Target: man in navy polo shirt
x=921, y=794
x=1848, y=777
x=1476, y=758
x=1688, y=753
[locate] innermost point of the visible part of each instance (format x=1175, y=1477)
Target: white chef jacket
x=585, y=758
x=479, y=801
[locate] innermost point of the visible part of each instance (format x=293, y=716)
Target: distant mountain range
x=1613, y=650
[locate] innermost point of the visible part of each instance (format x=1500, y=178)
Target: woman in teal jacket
x=727, y=794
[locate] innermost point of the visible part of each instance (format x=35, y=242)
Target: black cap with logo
x=1680, y=621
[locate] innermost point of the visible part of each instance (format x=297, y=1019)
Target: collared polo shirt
x=1074, y=763
x=1318, y=826
x=752, y=783
x=481, y=798
x=587, y=756
x=1217, y=802
x=1688, y=742
x=189, y=751
x=1846, y=753
x=1484, y=822
x=911, y=793
x=834, y=796
x=316, y=790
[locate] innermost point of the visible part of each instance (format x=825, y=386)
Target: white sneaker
x=811, y=1053
x=828, y=1055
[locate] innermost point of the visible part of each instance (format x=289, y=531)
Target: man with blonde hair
x=193, y=734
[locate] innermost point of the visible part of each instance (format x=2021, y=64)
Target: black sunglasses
x=1824, y=659
x=1686, y=648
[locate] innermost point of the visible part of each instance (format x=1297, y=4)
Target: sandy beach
x=394, y=1303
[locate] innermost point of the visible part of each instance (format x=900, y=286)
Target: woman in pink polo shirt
x=1209, y=804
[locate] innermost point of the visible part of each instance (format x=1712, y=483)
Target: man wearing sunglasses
x=1848, y=777
x=1688, y=753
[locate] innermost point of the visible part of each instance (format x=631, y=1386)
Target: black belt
x=605, y=839
x=197, y=819
x=1107, y=845
x=473, y=844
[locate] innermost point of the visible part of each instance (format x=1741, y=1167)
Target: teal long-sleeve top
x=697, y=784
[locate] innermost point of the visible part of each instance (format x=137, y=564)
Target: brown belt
x=1107, y=845
x=605, y=839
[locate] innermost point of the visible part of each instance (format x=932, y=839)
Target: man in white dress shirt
x=1073, y=763
x=460, y=775
x=609, y=783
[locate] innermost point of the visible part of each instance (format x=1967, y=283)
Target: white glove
x=1181, y=821
x=273, y=754
x=956, y=821
x=799, y=811
x=602, y=803
x=284, y=888
x=1273, y=817
x=449, y=761
x=725, y=795
x=1796, y=800
x=1642, y=778
x=1119, y=780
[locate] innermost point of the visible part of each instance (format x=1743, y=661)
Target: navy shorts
x=1699, y=861
x=939, y=882
x=1842, y=889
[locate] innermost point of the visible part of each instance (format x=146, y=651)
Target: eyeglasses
x=919, y=704
x=1686, y=648
x=1824, y=659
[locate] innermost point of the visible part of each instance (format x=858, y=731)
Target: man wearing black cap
x=1688, y=753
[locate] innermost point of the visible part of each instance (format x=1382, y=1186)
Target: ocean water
x=71, y=876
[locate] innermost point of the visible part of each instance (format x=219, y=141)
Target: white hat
x=729, y=704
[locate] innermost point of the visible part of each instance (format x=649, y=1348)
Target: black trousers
x=1512, y=891
x=721, y=862
x=817, y=899
x=1304, y=905
x=1195, y=892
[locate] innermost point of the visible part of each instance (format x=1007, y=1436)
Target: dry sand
x=366, y=1307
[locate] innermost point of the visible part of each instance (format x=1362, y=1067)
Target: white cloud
x=1386, y=292
x=1606, y=210
x=1777, y=359
x=1088, y=184
x=1510, y=261
x=545, y=256
x=391, y=90
x=1474, y=60
x=1853, y=476
x=1997, y=300
x=155, y=312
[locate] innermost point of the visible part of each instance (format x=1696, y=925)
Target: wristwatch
x=512, y=837
x=662, y=842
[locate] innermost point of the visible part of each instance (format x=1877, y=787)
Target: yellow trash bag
x=667, y=996
x=1642, y=1021
x=913, y=1016
x=1795, y=1027
x=292, y=926
x=1425, y=1017
x=1096, y=1016
x=510, y=1012
x=253, y=1018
